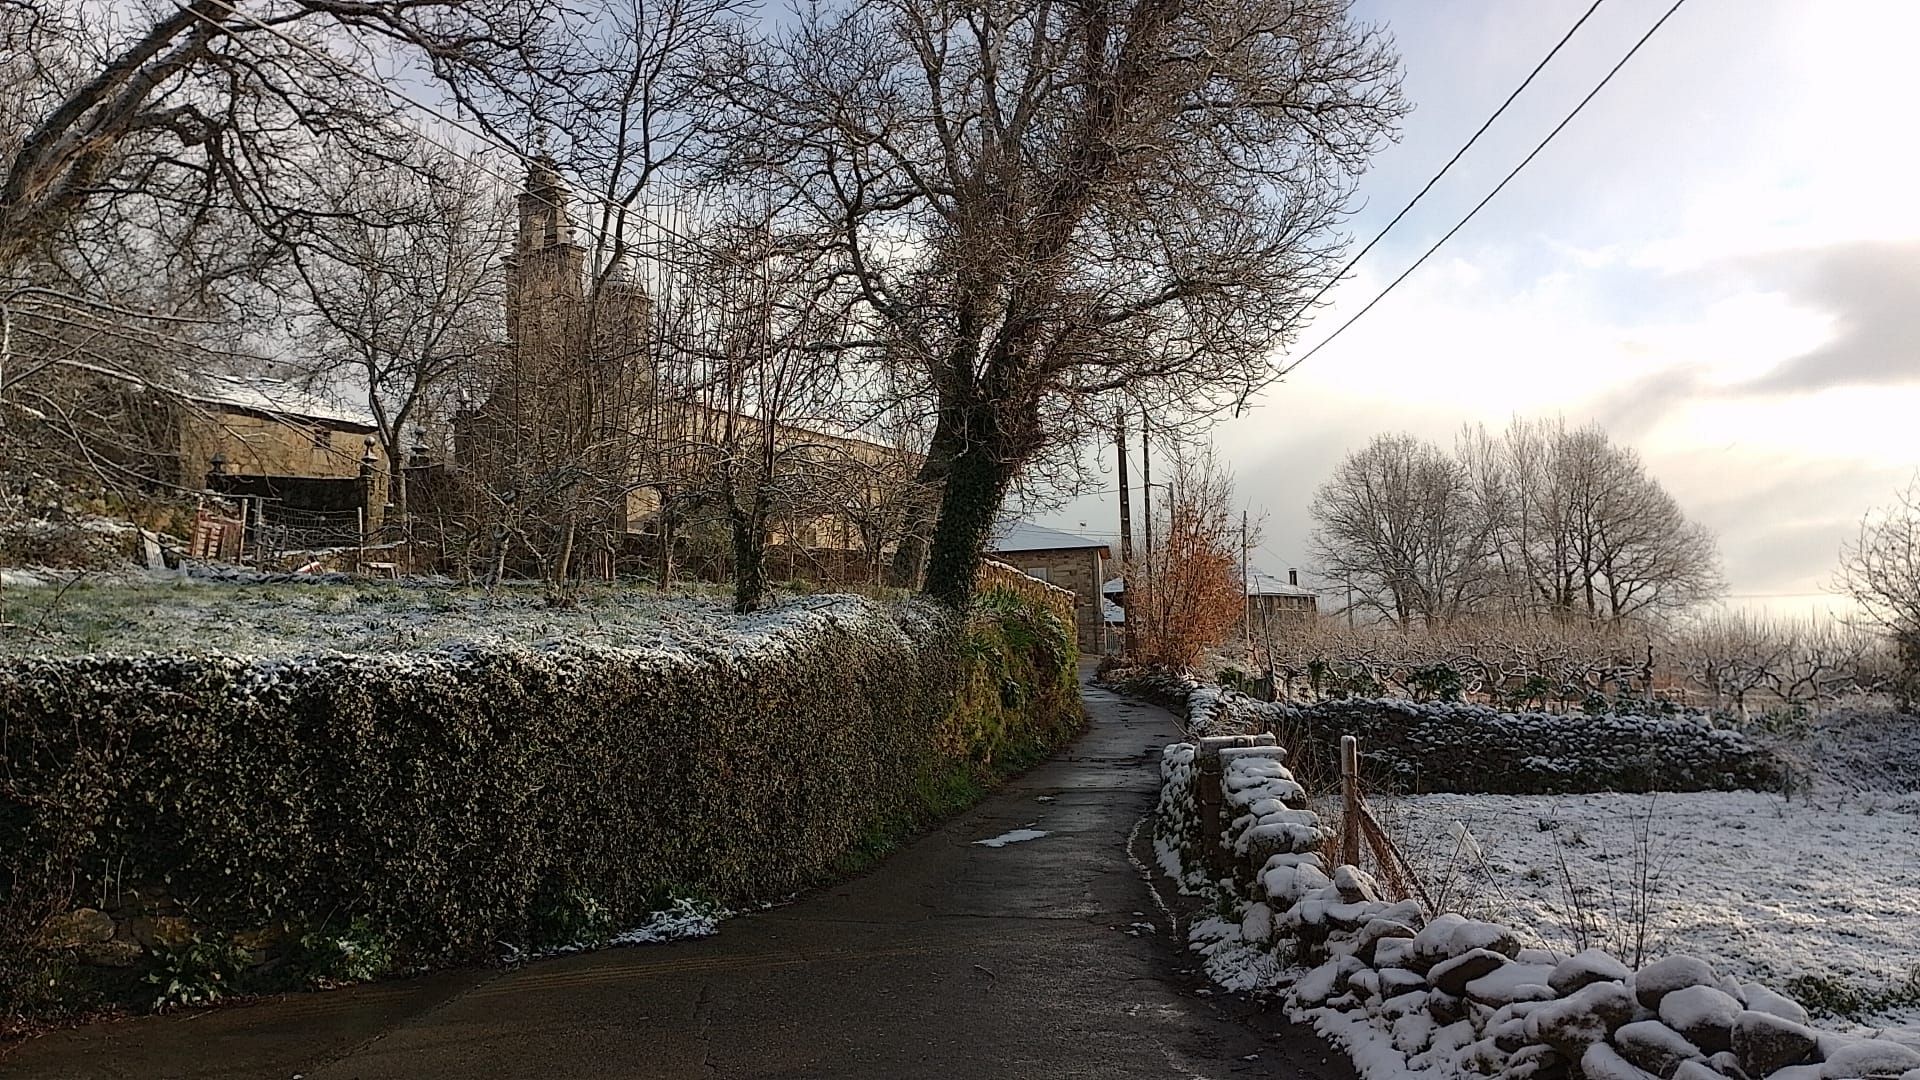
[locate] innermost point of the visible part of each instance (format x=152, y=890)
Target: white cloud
x=1631, y=275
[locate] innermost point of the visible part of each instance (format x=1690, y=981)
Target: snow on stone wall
x=1413, y=993
x=1450, y=747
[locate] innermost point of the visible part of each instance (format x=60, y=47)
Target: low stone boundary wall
x=994, y=574
x=1412, y=991
x=1440, y=747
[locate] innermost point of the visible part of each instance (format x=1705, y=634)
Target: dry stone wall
x=1409, y=991
x=1438, y=747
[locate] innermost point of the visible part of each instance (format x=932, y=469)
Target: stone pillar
x=1210, y=794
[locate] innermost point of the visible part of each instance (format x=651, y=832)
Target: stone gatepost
x=1210, y=794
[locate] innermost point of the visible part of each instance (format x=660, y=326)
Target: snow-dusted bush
x=458, y=800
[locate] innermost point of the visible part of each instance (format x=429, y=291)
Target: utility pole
x=1146, y=480
x=1127, y=571
x=1246, y=588
x=1146, y=501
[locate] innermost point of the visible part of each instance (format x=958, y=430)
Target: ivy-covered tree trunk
x=909, y=564
x=749, y=523
x=969, y=500
x=980, y=462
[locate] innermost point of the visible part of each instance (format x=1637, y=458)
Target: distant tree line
x=1539, y=521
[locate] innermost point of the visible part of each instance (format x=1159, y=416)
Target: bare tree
x=767, y=377
x=1540, y=521
x=402, y=291
x=155, y=163
x=198, y=105
x=1045, y=205
x=1880, y=570
x=1396, y=523
x=1596, y=535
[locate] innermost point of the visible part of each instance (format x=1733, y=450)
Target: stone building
x=1273, y=603
x=1074, y=563
x=554, y=439
x=310, y=467
x=581, y=428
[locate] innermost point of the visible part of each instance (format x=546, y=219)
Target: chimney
x=1293, y=577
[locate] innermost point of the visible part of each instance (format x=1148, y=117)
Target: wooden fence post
x=1350, y=798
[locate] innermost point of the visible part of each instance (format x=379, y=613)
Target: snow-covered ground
x=1819, y=897
x=245, y=618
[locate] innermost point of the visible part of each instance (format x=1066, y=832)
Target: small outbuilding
x=1072, y=562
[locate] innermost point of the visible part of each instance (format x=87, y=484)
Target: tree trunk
x=924, y=496
x=977, y=477
x=667, y=520
x=749, y=557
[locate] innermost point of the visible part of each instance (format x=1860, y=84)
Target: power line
x=1458, y=154
x=1417, y=263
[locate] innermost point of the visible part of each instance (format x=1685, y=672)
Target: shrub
x=447, y=804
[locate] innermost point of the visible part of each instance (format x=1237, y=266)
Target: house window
x=1037, y=572
x=322, y=438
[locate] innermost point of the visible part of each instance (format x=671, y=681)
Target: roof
x=1113, y=613
x=1026, y=536
x=1261, y=583
x=275, y=398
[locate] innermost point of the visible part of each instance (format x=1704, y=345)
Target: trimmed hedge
x=455, y=801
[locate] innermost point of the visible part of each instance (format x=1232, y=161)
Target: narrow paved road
x=951, y=960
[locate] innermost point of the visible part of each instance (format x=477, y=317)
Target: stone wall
x=257, y=445
x=1407, y=990
x=1412, y=746
x=1077, y=570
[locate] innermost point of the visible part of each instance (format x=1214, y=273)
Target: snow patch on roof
x=1261, y=583
x=1026, y=536
x=279, y=399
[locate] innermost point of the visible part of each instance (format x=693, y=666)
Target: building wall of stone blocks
x=1078, y=570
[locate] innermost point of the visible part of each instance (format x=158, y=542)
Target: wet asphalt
x=1047, y=957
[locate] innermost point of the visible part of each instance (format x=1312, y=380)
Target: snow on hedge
x=467, y=798
x=265, y=617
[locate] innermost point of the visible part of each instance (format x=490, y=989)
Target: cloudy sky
x=1719, y=260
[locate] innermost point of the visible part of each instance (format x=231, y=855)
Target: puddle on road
x=1014, y=837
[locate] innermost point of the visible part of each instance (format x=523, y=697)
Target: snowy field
x=1817, y=897
x=278, y=618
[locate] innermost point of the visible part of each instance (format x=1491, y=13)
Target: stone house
x=309, y=464
x=1074, y=563
x=1273, y=603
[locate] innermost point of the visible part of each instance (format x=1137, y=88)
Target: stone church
x=581, y=446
